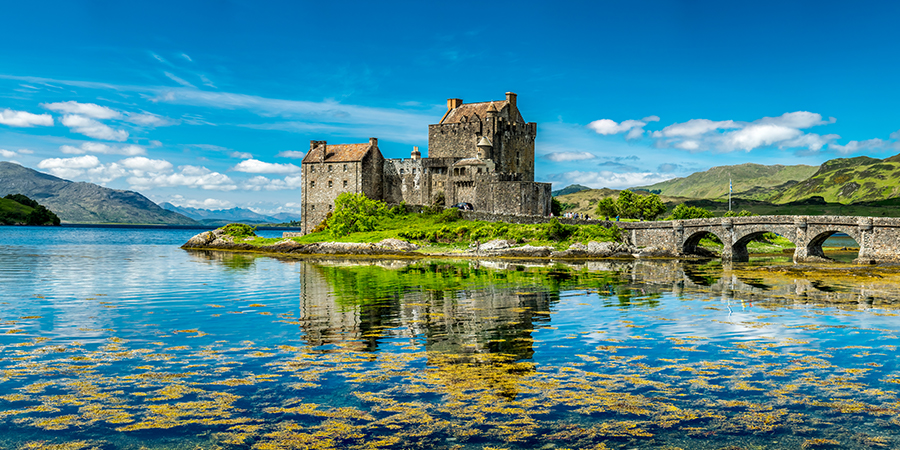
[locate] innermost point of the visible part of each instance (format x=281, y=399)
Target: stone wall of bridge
x=878, y=237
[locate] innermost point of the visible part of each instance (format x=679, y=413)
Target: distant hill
x=848, y=180
x=753, y=180
x=570, y=189
x=17, y=209
x=219, y=216
x=84, y=202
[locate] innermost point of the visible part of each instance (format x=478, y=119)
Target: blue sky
x=212, y=104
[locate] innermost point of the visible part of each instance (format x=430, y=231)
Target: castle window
x=345, y=183
x=330, y=207
x=414, y=170
x=329, y=167
x=330, y=183
x=312, y=184
x=345, y=167
x=402, y=171
x=312, y=207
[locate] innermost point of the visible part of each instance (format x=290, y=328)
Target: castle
x=479, y=153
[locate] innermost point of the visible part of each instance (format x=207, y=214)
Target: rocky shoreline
x=498, y=248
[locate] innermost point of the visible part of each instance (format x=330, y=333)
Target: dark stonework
x=479, y=153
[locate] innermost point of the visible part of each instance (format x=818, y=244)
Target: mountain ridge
x=81, y=202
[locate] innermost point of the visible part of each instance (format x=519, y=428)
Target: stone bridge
x=878, y=237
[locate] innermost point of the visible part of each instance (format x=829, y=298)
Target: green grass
x=435, y=234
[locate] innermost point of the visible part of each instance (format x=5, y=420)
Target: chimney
x=416, y=154
x=373, y=142
x=314, y=144
x=453, y=103
x=511, y=98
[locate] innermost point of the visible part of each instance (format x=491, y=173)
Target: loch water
x=119, y=339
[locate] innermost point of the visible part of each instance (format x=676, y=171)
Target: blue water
x=117, y=338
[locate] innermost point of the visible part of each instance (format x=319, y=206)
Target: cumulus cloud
x=188, y=176
x=25, y=119
x=7, y=153
x=96, y=147
x=260, y=182
x=569, y=156
x=257, y=166
x=143, y=164
x=91, y=110
x=608, y=179
x=92, y=128
x=855, y=146
x=290, y=154
x=633, y=128
x=784, y=131
x=69, y=167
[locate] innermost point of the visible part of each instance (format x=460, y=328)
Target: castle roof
x=338, y=153
x=466, y=110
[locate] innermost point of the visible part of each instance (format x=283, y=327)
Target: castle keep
x=479, y=153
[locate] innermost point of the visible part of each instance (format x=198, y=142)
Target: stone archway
x=814, y=245
x=740, y=252
x=692, y=242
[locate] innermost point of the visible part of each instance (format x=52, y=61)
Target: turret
x=484, y=148
x=416, y=154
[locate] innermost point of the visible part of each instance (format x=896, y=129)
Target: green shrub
x=239, y=230
x=448, y=215
x=356, y=213
x=684, y=212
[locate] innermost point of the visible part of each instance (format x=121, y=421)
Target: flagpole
x=729, y=194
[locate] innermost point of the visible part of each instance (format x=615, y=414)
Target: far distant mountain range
x=223, y=216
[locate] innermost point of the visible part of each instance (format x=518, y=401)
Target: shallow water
x=119, y=339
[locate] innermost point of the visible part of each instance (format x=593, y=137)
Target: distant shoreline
x=163, y=226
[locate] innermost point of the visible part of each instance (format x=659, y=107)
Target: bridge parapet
x=878, y=237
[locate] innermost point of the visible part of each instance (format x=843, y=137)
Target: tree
x=355, y=213
x=743, y=213
x=556, y=206
x=684, y=212
x=650, y=207
x=607, y=208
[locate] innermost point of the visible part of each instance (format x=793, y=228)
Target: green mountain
x=84, y=202
x=847, y=180
x=570, y=189
x=753, y=181
x=17, y=209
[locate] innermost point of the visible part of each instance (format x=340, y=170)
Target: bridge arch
x=692, y=241
x=820, y=234
x=744, y=234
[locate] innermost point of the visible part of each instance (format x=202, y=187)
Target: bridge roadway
x=878, y=237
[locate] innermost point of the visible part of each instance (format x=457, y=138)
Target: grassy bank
x=445, y=231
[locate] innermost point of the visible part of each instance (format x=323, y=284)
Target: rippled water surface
x=116, y=338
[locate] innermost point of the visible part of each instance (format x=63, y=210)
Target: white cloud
x=25, y=119
x=188, y=176
x=240, y=155
x=105, y=149
x=185, y=56
x=91, y=110
x=609, y=179
x=694, y=128
x=260, y=182
x=758, y=135
x=69, y=167
x=811, y=141
x=91, y=128
x=257, y=166
x=179, y=80
x=146, y=164
x=25, y=151
x=155, y=144
x=855, y=146
x=569, y=156
x=290, y=154
x=634, y=128
x=797, y=119
x=149, y=120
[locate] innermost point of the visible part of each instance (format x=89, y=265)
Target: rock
x=578, y=246
x=526, y=251
x=397, y=244
x=496, y=244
